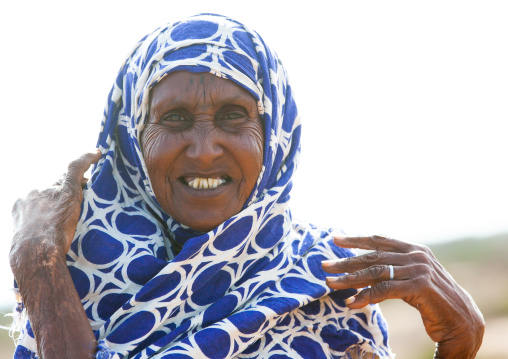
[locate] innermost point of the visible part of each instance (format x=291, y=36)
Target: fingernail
x=340, y=237
x=328, y=262
x=337, y=278
x=350, y=300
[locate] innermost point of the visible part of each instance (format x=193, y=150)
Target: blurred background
x=404, y=107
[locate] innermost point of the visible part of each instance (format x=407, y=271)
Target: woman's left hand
x=449, y=314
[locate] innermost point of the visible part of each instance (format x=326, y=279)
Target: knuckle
x=380, y=238
x=421, y=269
x=375, y=272
x=351, y=277
x=383, y=287
x=87, y=158
x=378, y=241
x=70, y=188
x=428, y=251
x=74, y=165
x=372, y=257
x=80, y=162
x=419, y=257
x=422, y=248
x=380, y=290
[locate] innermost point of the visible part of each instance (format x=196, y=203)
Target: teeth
x=205, y=183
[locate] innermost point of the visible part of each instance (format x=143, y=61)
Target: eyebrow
x=176, y=100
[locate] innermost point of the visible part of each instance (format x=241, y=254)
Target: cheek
x=258, y=140
x=252, y=144
x=157, y=150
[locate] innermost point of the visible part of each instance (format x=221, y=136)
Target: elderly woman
x=182, y=244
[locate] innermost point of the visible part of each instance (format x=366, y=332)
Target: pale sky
x=404, y=104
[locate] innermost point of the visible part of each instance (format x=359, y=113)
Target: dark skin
x=209, y=128
x=44, y=225
x=449, y=314
x=201, y=127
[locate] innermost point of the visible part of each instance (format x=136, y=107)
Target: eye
x=174, y=117
x=231, y=118
x=177, y=120
x=234, y=116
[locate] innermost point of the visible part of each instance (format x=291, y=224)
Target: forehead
x=184, y=87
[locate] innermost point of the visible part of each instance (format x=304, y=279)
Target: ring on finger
x=390, y=267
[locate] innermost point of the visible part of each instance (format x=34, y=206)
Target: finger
x=353, y=264
x=75, y=173
x=84, y=181
x=77, y=168
x=376, y=243
x=367, y=277
x=392, y=289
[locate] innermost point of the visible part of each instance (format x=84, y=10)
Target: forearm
x=44, y=226
x=54, y=308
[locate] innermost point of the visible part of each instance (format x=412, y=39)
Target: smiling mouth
x=205, y=182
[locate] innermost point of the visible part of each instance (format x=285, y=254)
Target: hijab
x=253, y=286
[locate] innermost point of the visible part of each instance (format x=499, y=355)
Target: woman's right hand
x=45, y=221
x=44, y=226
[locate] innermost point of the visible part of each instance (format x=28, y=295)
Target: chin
x=205, y=223
x=204, y=215
x=203, y=226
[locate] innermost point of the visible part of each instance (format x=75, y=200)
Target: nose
x=205, y=146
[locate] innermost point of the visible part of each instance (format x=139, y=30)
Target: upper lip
x=191, y=175
x=205, y=175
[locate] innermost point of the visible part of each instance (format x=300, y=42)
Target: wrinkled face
x=203, y=147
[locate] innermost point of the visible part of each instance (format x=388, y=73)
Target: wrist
x=463, y=345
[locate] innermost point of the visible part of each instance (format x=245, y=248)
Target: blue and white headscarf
x=251, y=288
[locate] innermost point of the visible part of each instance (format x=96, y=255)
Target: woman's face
x=203, y=147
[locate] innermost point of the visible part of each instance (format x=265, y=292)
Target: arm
x=44, y=226
x=450, y=316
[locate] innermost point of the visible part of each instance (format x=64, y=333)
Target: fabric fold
x=251, y=288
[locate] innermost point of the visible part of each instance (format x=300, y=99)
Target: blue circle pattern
x=252, y=287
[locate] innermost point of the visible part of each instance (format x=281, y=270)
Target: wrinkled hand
x=449, y=314
x=44, y=226
x=45, y=221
